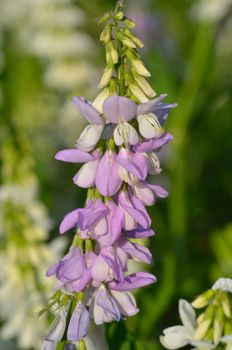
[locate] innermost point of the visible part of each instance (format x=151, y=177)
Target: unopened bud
x=105, y=79
x=99, y=100
x=129, y=23
x=137, y=65
x=202, y=329
x=203, y=299
x=119, y=16
x=218, y=325
x=106, y=34
x=133, y=37
x=125, y=40
x=113, y=53
x=138, y=93
x=226, y=305
x=145, y=86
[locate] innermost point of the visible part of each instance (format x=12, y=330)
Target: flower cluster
x=212, y=329
x=118, y=150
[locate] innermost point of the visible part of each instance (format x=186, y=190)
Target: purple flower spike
x=79, y=323
x=88, y=112
x=108, y=181
x=133, y=162
x=133, y=281
x=73, y=156
x=119, y=109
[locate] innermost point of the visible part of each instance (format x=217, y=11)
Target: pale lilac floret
x=108, y=181
x=133, y=281
x=87, y=111
x=153, y=144
x=86, y=176
x=70, y=268
x=79, y=323
x=135, y=163
x=134, y=211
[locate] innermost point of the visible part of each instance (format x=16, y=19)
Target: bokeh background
x=50, y=52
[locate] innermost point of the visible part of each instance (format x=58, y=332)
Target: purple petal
x=73, y=156
x=140, y=232
x=69, y=221
x=118, y=108
x=162, y=111
x=133, y=162
x=87, y=217
x=113, y=261
x=149, y=106
x=136, y=280
x=108, y=181
x=134, y=207
x=85, y=177
x=153, y=144
x=158, y=191
x=52, y=270
x=136, y=251
x=126, y=303
x=108, y=304
x=79, y=323
x=87, y=111
x=115, y=222
x=71, y=267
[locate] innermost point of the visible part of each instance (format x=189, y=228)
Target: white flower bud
x=99, y=100
x=145, y=86
x=137, y=92
x=105, y=79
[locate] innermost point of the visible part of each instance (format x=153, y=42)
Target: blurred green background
x=50, y=52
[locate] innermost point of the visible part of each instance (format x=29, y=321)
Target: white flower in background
x=223, y=284
x=181, y=335
x=24, y=256
x=211, y=10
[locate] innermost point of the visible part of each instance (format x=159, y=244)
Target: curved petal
x=133, y=162
x=69, y=221
x=133, y=281
x=153, y=144
x=140, y=232
x=87, y=111
x=73, y=156
x=149, y=126
x=126, y=303
x=187, y=315
x=136, y=251
x=108, y=181
x=148, y=107
x=79, y=323
x=174, y=337
x=144, y=193
x=125, y=133
x=57, y=328
x=158, y=191
x=89, y=137
x=119, y=108
x=85, y=177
